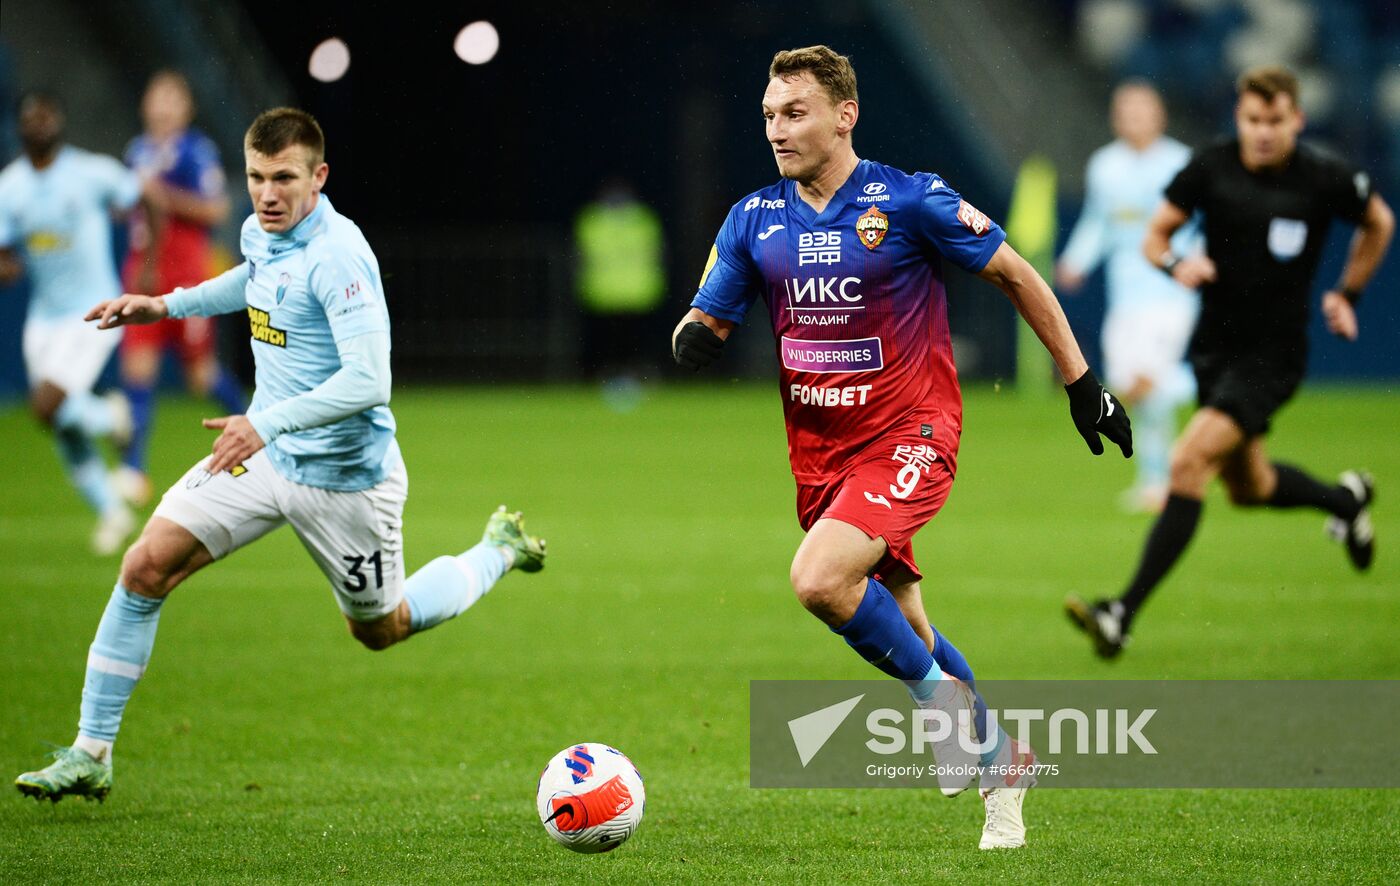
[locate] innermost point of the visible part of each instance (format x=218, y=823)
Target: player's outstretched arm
x=1094, y=410
x=699, y=338
x=1368, y=247
x=128, y=310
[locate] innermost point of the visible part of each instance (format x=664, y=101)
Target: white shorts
x=67, y=351
x=355, y=537
x=1149, y=342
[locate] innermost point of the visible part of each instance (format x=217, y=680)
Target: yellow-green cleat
x=506, y=529
x=73, y=772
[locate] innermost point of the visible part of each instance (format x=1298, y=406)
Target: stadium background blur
x=466, y=176
x=265, y=745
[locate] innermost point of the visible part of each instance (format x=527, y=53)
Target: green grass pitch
x=264, y=744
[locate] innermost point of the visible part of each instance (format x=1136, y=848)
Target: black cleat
x=1357, y=533
x=1103, y=622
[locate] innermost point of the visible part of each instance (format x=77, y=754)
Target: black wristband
x=1351, y=295
x=1169, y=260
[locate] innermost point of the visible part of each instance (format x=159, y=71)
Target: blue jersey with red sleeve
x=856, y=298
x=187, y=162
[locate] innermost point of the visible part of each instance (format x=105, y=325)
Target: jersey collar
x=308, y=227
x=835, y=204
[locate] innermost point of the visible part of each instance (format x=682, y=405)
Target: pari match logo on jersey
x=261, y=329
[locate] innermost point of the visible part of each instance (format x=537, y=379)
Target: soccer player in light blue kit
x=1150, y=316
x=56, y=203
x=316, y=449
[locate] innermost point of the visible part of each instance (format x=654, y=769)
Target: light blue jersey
x=309, y=293
x=60, y=219
x=1123, y=189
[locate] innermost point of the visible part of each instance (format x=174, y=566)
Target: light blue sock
x=448, y=586
x=86, y=469
x=86, y=412
x=116, y=660
x=1153, y=427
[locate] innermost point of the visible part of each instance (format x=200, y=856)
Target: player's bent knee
x=1190, y=468
x=382, y=633
x=44, y=411
x=820, y=591
x=374, y=641
x=1245, y=494
x=144, y=574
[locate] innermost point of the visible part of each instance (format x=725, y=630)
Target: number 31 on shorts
x=358, y=581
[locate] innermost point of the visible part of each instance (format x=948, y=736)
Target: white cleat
x=1003, y=797
x=957, y=767
x=132, y=485
x=112, y=530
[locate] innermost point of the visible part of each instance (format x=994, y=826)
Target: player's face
x=40, y=126
x=166, y=108
x=1138, y=116
x=804, y=126
x=283, y=186
x=1268, y=129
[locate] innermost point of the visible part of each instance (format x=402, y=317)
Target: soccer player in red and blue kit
x=171, y=248
x=847, y=254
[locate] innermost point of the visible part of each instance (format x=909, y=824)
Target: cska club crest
x=872, y=227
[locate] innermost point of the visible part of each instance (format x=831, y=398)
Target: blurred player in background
x=316, y=450
x=846, y=254
x=1150, y=315
x=170, y=247
x=1267, y=203
x=56, y=206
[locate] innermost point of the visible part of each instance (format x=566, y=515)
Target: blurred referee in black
x=1267, y=203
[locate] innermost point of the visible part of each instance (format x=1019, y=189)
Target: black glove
x=1095, y=411
x=697, y=345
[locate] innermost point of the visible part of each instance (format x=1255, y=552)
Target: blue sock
x=228, y=392
x=950, y=659
x=448, y=586
x=954, y=663
x=116, y=660
x=86, y=469
x=85, y=411
x=143, y=412
x=880, y=634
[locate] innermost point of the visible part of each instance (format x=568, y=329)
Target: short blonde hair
x=831, y=70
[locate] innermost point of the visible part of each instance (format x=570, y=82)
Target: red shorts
x=889, y=491
x=192, y=338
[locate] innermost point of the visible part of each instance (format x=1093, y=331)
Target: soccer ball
x=590, y=797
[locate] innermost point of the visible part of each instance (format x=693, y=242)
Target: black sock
x=1297, y=489
x=1165, y=545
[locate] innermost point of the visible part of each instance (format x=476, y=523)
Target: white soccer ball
x=590, y=797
